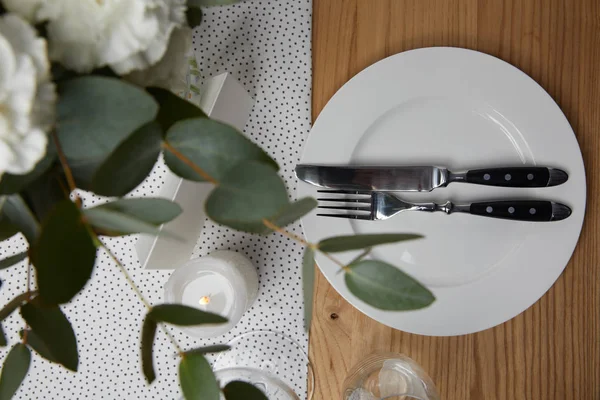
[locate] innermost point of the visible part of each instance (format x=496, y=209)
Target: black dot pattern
x=265, y=44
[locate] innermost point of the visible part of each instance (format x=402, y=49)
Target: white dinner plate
x=459, y=109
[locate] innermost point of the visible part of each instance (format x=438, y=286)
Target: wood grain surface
x=551, y=351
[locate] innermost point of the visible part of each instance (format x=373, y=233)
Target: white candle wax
x=224, y=283
x=211, y=292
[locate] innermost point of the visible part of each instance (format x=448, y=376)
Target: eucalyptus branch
x=189, y=163
x=288, y=234
x=66, y=168
x=137, y=291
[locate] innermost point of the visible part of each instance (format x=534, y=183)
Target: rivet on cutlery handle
x=522, y=210
x=514, y=177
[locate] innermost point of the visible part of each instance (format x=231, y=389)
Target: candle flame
x=204, y=300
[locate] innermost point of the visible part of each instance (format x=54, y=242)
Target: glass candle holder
x=388, y=376
x=224, y=282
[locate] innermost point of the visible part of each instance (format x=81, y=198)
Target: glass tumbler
x=388, y=376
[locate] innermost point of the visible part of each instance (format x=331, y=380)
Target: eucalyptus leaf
x=10, y=184
x=293, y=212
x=12, y=260
x=130, y=163
x=384, y=286
x=96, y=114
x=209, y=3
x=148, y=334
x=240, y=390
x=249, y=193
x=193, y=16
x=178, y=314
x=14, y=304
x=3, y=341
x=14, y=370
x=308, y=284
x=38, y=345
x=173, y=108
x=18, y=213
x=213, y=146
x=54, y=330
x=357, y=242
x=132, y=215
x=43, y=194
x=64, y=255
x=197, y=379
x=216, y=348
x=7, y=229
x=287, y=214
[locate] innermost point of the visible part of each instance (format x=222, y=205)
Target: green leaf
x=13, y=305
x=46, y=192
x=96, y=114
x=173, y=108
x=18, y=213
x=287, y=214
x=308, y=284
x=10, y=184
x=133, y=215
x=178, y=314
x=197, y=379
x=384, y=286
x=357, y=242
x=209, y=3
x=239, y=390
x=64, y=255
x=38, y=345
x=217, y=348
x=211, y=145
x=53, y=329
x=194, y=16
x=14, y=370
x=148, y=334
x=3, y=341
x=248, y=194
x=130, y=163
x=7, y=229
x=12, y=260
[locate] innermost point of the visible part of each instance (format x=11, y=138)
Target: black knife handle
x=517, y=177
x=522, y=210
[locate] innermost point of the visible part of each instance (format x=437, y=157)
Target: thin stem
x=172, y=339
x=66, y=168
x=189, y=163
x=124, y=272
x=136, y=290
x=298, y=239
x=335, y=260
x=290, y=235
x=26, y=330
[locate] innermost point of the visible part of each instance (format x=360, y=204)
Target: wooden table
x=551, y=351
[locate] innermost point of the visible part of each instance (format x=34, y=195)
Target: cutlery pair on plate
x=367, y=196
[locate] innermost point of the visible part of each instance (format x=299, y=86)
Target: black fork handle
x=517, y=177
x=521, y=210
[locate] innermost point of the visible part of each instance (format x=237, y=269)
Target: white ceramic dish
x=460, y=109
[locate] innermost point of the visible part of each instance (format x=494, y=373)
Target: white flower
x=27, y=96
x=170, y=72
x=126, y=35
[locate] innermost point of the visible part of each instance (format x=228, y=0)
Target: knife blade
x=424, y=178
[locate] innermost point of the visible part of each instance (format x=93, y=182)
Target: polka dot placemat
x=266, y=46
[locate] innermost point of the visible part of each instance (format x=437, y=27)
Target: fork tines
x=364, y=212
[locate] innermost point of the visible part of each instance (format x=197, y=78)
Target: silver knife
x=425, y=178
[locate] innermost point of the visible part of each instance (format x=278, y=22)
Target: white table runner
x=266, y=45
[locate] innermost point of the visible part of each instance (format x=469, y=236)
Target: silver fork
x=375, y=206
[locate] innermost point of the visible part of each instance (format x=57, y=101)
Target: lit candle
x=224, y=283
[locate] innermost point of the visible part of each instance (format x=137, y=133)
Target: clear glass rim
x=310, y=388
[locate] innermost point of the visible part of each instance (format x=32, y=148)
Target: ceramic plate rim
x=394, y=319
